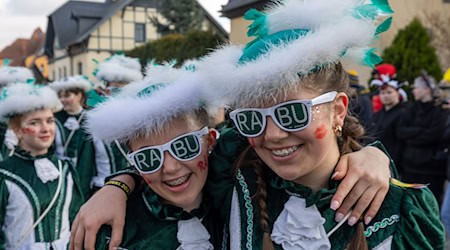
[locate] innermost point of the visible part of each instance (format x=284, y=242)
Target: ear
x=340, y=108
x=213, y=135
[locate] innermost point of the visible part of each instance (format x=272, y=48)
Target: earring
x=338, y=130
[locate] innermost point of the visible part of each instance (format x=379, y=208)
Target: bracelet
x=122, y=185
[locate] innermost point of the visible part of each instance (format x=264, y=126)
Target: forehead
x=298, y=93
x=38, y=114
x=173, y=129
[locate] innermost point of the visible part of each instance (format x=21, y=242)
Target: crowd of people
x=149, y=161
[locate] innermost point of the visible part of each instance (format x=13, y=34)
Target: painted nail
x=352, y=221
x=339, y=217
x=334, y=175
x=368, y=220
x=334, y=205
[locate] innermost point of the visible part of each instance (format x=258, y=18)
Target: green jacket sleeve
x=4, y=195
x=392, y=167
x=419, y=226
x=221, y=176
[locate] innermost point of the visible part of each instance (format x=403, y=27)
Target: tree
x=177, y=47
x=411, y=53
x=180, y=16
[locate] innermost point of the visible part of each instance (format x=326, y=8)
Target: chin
x=287, y=174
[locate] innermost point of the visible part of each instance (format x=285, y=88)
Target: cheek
x=147, y=179
x=28, y=131
x=251, y=141
x=320, y=132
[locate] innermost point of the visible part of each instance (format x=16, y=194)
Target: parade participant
x=165, y=125
x=40, y=195
x=387, y=120
x=422, y=129
x=290, y=93
x=107, y=158
x=10, y=75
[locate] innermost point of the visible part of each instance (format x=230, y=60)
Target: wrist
x=120, y=185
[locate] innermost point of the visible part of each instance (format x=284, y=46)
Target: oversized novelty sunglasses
x=185, y=147
x=290, y=116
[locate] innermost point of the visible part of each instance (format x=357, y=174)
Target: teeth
x=178, y=181
x=285, y=152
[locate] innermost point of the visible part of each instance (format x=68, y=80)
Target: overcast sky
x=18, y=18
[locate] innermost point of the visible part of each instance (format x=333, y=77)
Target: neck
x=390, y=106
x=320, y=176
x=76, y=110
x=195, y=204
x=33, y=152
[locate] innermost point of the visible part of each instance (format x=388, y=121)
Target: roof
x=237, y=8
x=85, y=17
x=21, y=48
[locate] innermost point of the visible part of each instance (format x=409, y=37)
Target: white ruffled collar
x=46, y=170
x=193, y=235
x=300, y=227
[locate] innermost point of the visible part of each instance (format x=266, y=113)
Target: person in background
x=386, y=121
x=445, y=208
x=10, y=75
x=421, y=129
x=380, y=70
x=39, y=194
x=360, y=104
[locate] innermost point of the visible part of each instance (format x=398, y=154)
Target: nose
x=274, y=133
x=170, y=164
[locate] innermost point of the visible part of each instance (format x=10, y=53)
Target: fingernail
x=334, y=175
x=339, y=217
x=368, y=220
x=334, y=205
x=352, y=221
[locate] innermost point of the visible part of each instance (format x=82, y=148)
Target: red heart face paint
x=147, y=180
x=252, y=142
x=320, y=132
x=203, y=164
x=28, y=131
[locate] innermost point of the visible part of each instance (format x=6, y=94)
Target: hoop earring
x=338, y=130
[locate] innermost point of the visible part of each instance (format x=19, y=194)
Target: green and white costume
x=408, y=218
x=145, y=108
x=27, y=186
x=93, y=159
x=151, y=224
x=40, y=195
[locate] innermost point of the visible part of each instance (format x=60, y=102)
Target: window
x=54, y=75
x=65, y=71
x=60, y=73
x=139, y=32
x=80, y=68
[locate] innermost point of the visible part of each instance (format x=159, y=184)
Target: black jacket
x=422, y=129
x=385, y=125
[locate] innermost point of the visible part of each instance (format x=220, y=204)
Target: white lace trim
x=72, y=123
x=300, y=227
x=46, y=170
x=192, y=235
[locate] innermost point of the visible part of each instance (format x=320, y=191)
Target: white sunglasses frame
x=324, y=98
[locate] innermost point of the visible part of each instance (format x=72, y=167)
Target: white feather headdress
x=148, y=106
x=21, y=98
x=294, y=38
x=78, y=81
x=119, y=68
x=14, y=74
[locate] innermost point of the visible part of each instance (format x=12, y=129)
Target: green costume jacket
x=151, y=224
x=408, y=218
x=94, y=160
x=3, y=128
x=27, y=186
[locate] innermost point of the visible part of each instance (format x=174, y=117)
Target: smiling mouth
x=285, y=151
x=178, y=181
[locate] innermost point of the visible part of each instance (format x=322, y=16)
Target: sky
x=19, y=18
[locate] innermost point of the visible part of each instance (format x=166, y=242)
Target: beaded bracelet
x=119, y=184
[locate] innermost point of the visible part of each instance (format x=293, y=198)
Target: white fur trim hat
x=119, y=68
x=72, y=82
x=149, y=106
x=15, y=74
x=21, y=98
x=295, y=38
